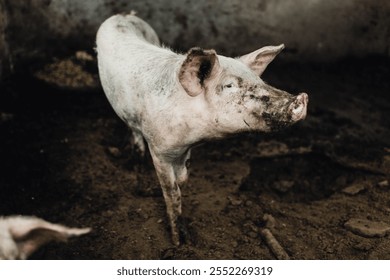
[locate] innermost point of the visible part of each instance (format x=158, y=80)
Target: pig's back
x=122, y=39
x=133, y=67
x=122, y=30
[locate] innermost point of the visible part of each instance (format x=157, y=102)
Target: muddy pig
x=20, y=236
x=176, y=101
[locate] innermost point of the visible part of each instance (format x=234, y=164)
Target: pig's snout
x=298, y=107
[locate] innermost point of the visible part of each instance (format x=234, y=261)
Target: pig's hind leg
x=138, y=142
x=134, y=144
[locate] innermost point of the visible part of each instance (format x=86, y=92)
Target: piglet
x=177, y=101
x=20, y=236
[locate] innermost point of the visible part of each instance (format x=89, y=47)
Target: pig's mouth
x=294, y=112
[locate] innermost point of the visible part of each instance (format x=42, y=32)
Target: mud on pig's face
x=239, y=100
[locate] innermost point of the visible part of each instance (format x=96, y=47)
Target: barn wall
x=311, y=29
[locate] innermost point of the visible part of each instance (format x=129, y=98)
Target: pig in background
x=176, y=101
x=20, y=236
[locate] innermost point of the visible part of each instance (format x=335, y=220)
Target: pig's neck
x=197, y=118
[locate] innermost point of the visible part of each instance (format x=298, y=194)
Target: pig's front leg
x=172, y=174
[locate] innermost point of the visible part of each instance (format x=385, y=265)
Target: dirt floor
x=64, y=157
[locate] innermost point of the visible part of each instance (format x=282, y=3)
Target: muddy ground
x=64, y=157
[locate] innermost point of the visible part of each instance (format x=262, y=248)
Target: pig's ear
x=197, y=69
x=30, y=233
x=259, y=60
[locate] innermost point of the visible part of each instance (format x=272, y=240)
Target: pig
x=174, y=101
x=20, y=236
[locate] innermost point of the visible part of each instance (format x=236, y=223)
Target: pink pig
x=20, y=236
x=176, y=101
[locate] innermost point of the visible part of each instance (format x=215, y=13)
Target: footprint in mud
x=297, y=178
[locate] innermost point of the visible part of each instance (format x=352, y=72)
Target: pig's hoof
x=186, y=233
x=179, y=232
